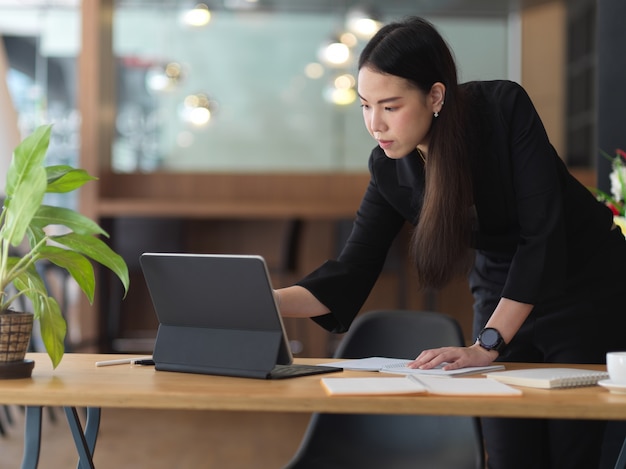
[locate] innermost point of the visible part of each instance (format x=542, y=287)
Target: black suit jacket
x=530, y=211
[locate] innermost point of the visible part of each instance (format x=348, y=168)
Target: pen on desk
x=120, y=361
x=126, y=361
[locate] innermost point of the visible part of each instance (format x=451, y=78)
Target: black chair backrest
x=351, y=441
x=398, y=334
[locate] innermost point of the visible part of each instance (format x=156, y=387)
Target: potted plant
x=25, y=221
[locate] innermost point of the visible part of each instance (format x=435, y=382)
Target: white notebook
x=413, y=384
x=548, y=378
x=401, y=369
x=398, y=366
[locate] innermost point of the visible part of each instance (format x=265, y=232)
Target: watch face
x=489, y=337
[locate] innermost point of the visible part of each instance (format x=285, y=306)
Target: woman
x=472, y=168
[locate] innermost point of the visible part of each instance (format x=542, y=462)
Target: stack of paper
x=414, y=384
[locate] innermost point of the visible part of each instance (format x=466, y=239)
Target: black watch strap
x=491, y=339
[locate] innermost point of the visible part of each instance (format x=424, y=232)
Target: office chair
x=346, y=441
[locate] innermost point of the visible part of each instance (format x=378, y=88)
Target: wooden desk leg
x=32, y=437
x=85, y=440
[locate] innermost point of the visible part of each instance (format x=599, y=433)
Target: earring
x=436, y=114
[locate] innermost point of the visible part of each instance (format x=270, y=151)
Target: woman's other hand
x=455, y=357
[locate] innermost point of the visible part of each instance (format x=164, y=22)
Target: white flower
x=621, y=222
x=617, y=175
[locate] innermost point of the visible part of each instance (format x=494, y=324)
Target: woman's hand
x=455, y=357
x=506, y=318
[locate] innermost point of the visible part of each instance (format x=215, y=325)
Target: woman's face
x=397, y=114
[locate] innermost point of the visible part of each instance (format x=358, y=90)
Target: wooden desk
x=77, y=382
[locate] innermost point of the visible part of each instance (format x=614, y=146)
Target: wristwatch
x=491, y=339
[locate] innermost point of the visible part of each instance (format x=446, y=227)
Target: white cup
x=616, y=366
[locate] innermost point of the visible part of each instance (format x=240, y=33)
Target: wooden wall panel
x=544, y=52
x=96, y=98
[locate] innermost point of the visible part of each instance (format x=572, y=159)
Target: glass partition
x=251, y=90
x=38, y=50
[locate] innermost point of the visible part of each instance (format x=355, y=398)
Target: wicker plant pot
x=15, y=332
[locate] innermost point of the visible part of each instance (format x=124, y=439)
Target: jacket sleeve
x=344, y=284
x=539, y=264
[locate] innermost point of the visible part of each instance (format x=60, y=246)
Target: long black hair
x=413, y=49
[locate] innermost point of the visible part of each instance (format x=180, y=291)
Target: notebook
x=417, y=384
x=217, y=315
x=548, y=378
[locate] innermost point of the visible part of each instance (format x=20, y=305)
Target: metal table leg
x=92, y=426
x=85, y=440
x=32, y=437
x=621, y=460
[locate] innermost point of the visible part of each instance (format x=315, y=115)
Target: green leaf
x=21, y=280
x=28, y=155
x=601, y=195
x=63, y=178
x=97, y=250
x=77, y=265
x=53, y=329
x=48, y=215
x=31, y=284
x=35, y=235
x=26, y=184
x=22, y=205
x=47, y=311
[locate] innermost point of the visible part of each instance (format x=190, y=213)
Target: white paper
x=468, y=370
x=398, y=366
x=360, y=386
x=465, y=386
x=367, y=364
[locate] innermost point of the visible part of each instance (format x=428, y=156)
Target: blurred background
x=233, y=125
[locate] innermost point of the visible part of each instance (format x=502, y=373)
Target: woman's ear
x=437, y=96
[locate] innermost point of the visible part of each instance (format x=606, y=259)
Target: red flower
x=621, y=153
x=613, y=208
